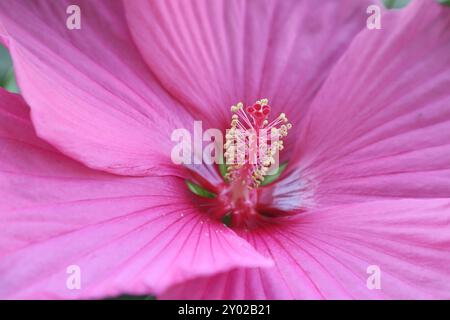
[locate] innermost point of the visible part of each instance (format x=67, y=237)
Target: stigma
x=253, y=143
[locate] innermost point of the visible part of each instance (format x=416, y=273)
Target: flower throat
x=251, y=153
x=252, y=147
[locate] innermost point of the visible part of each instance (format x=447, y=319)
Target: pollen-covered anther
x=237, y=107
x=253, y=142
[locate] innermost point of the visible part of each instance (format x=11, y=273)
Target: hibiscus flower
x=86, y=176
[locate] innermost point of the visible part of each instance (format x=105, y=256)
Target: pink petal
x=326, y=255
x=3, y=36
x=380, y=126
x=91, y=94
x=212, y=54
x=127, y=234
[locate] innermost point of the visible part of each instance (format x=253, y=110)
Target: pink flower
x=87, y=178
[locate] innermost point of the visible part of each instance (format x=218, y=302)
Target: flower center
x=251, y=152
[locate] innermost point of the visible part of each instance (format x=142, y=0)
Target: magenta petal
x=380, y=126
x=127, y=234
x=212, y=54
x=90, y=92
x=326, y=254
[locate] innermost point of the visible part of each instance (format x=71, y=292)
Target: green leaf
x=223, y=168
x=226, y=220
x=7, y=78
x=10, y=82
x=200, y=191
x=271, y=178
x=444, y=2
x=395, y=4
x=5, y=63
